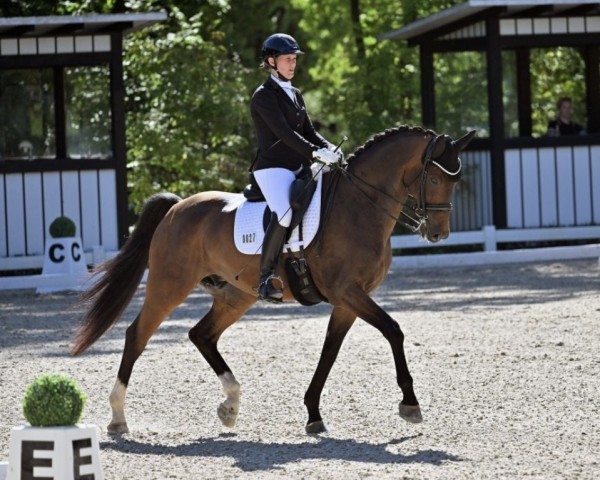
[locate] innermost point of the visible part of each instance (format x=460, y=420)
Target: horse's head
x=428, y=207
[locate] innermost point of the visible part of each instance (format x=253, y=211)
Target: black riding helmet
x=280, y=44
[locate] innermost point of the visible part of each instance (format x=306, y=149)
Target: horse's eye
x=435, y=180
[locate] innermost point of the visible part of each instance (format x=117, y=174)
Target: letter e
x=28, y=462
x=79, y=460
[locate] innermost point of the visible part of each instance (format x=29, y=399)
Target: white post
x=65, y=257
x=98, y=254
x=57, y=453
x=489, y=238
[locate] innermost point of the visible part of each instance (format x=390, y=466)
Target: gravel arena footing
x=505, y=361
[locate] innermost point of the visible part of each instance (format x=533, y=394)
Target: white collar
x=281, y=83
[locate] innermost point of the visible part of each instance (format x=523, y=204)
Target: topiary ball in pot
x=62, y=227
x=53, y=400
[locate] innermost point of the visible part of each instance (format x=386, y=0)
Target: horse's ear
x=461, y=143
x=440, y=147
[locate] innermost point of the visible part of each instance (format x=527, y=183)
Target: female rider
x=287, y=142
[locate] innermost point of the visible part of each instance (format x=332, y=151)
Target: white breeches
x=275, y=184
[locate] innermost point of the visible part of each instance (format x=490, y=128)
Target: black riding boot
x=271, y=249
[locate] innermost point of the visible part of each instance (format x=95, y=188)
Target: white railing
x=489, y=237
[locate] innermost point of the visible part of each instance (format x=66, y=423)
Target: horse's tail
x=120, y=276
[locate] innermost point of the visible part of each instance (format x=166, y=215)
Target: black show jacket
x=286, y=136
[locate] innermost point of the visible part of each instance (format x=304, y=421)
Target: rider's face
x=286, y=64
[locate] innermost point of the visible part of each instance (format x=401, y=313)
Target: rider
x=287, y=142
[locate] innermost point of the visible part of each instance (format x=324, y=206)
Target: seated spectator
x=563, y=124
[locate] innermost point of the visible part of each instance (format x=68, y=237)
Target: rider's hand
x=339, y=153
x=326, y=156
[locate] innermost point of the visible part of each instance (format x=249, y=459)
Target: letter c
x=75, y=249
x=54, y=257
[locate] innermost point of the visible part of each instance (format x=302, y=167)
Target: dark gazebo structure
x=62, y=131
x=534, y=182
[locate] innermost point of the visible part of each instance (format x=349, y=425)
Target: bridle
x=414, y=213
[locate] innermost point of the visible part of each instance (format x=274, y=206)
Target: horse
x=404, y=174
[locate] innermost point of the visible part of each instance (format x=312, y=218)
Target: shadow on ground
x=258, y=456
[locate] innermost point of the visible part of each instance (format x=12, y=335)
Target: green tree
x=461, y=75
x=14, y=8
x=362, y=84
x=188, y=121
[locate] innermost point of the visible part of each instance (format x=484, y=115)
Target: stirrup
x=267, y=291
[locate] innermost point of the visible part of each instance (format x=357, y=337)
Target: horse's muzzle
x=436, y=237
x=434, y=233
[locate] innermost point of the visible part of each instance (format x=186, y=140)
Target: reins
x=414, y=213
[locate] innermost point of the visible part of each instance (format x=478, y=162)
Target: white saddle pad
x=248, y=233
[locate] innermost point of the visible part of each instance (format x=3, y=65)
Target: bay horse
x=404, y=173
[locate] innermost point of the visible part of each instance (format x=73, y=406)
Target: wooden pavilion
x=62, y=151
x=519, y=181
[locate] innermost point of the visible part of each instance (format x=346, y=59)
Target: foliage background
x=189, y=80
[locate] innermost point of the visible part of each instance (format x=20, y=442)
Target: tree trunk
x=356, y=27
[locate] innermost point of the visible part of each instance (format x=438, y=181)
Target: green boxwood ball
x=62, y=227
x=53, y=400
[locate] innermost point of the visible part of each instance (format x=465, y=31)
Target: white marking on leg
x=229, y=409
x=118, y=423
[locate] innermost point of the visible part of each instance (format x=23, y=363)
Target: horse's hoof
x=227, y=415
x=316, y=427
x=117, y=428
x=411, y=413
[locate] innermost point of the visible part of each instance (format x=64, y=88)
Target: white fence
x=488, y=237
x=29, y=202
x=472, y=198
x=554, y=186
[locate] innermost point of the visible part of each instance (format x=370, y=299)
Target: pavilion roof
x=506, y=8
x=77, y=24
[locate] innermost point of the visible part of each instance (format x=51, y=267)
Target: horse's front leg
x=359, y=302
x=339, y=323
x=228, y=307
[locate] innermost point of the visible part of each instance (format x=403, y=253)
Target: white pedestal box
x=54, y=453
x=65, y=261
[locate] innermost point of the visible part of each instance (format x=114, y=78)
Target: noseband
x=414, y=213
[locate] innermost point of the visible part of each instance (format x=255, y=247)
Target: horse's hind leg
x=339, y=323
x=118, y=424
x=160, y=301
x=228, y=307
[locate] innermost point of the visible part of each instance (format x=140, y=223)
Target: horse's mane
x=378, y=137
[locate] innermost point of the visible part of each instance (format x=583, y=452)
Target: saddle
x=296, y=267
x=301, y=194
